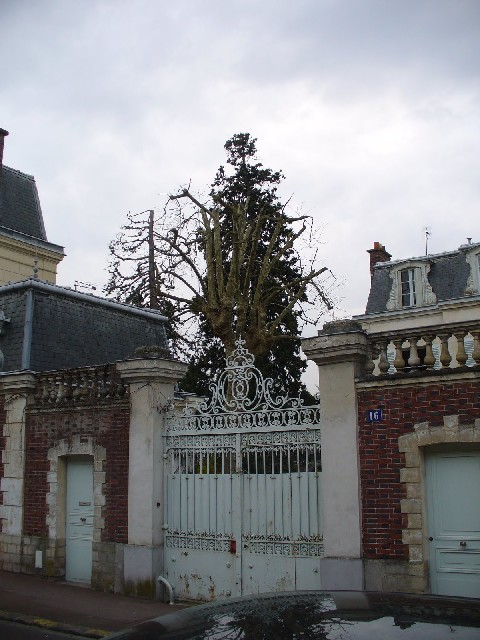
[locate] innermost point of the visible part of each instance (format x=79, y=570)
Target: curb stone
x=45, y=623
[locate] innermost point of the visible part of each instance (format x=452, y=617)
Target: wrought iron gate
x=243, y=494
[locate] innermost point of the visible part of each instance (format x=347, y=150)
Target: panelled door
x=79, y=519
x=453, y=493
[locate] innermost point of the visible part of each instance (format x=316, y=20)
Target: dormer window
x=407, y=281
x=410, y=285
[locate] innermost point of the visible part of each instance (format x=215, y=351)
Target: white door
x=79, y=524
x=453, y=490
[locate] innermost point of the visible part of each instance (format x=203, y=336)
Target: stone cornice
x=420, y=378
x=151, y=370
x=104, y=405
x=20, y=240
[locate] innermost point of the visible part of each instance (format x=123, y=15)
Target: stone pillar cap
x=17, y=381
x=151, y=369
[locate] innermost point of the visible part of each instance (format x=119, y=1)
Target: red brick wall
x=380, y=461
x=109, y=429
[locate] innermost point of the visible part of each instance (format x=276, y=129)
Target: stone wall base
x=341, y=574
x=17, y=554
x=142, y=566
x=396, y=575
x=10, y=553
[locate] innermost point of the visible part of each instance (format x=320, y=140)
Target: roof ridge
x=19, y=173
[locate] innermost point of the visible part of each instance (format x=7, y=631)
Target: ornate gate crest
x=242, y=399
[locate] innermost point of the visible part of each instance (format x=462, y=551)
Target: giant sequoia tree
x=234, y=262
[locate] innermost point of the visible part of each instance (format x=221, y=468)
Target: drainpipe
x=27, y=330
x=165, y=582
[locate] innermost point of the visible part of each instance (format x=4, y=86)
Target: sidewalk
x=79, y=610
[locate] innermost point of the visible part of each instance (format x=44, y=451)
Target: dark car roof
x=317, y=616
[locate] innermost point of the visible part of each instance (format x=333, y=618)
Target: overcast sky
x=370, y=107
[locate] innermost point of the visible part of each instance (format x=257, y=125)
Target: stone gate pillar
x=14, y=388
x=151, y=384
x=339, y=350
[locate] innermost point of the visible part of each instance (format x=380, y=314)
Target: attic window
x=410, y=285
x=407, y=282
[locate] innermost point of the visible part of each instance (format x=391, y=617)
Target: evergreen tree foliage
x=249, y=181
x=234, y=264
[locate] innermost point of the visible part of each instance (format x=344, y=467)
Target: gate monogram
x=243, y=489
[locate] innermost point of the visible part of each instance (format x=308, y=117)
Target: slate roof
x=19, y=204
x=51, y=327
x=448, y=278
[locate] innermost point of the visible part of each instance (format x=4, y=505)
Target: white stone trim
x=423, y=289
x=473, y=283
x=412, y=445
x=78, y=445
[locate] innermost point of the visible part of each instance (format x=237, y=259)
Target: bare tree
x=226, y=279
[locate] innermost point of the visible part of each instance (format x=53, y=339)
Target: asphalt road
x=14, y=631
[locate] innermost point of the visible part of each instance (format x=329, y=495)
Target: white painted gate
x=79, y=519
x=453, y=488
x=242, y=489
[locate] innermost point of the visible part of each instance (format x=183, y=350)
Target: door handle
x=431, y=539
x=463, y=543
x=83, y=519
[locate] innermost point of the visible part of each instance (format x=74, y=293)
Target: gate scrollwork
x=243, y=399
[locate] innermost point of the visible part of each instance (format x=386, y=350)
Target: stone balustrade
x=82, y=386
x=424, y=349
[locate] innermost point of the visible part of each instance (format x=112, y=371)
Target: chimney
x=377, y=254
x=3, y=135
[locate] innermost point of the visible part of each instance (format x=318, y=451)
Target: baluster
x=77, y=392
x=383, y=363
x=86, y=385
x=94, y=385
x=413, y=360
x=476, y=346
x=102, y=383
x=45, y=395
x=445, y=357
x=369, y=364
x=84, y=391
x=399, y=362
x=461, y=356
x=38, y=391
x=52, y=389
x=60, y=389
x=429, y=360
x=68, y=382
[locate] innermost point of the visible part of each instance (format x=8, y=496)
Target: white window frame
x=421, y=293
x=408, y=288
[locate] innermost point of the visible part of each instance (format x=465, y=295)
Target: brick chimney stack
x=377, y=254
x=3, y=135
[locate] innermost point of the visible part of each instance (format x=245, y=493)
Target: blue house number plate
x=374, y=415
